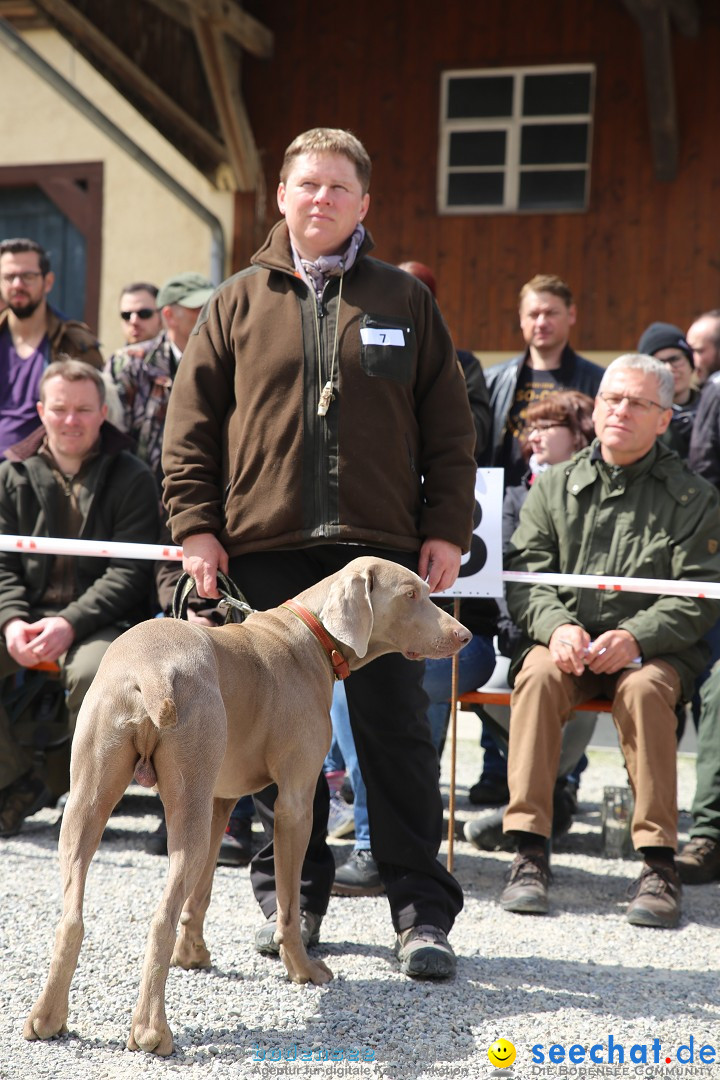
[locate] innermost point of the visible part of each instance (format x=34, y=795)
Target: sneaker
x=236, y=845
x=156, y=843
x=699, y=861
x=309, y=931
x=341, y=817
x=486, y=832
x=527, y=889
x=656, y=898
x=489, y=792
x=359, y=876
x=424, y=952
x=20, y=800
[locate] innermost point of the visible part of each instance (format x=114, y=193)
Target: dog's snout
x=463, y=635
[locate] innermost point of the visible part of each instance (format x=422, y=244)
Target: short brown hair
x=73, y=371
x=547, y=283
x=569, y=408
x=330, y=141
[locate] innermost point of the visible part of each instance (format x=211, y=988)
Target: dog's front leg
x=293, y=823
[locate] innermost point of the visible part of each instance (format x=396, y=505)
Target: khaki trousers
x=644, y=702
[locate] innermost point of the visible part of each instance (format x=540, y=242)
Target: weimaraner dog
x=209, y=715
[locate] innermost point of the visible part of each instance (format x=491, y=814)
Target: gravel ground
x=577, y=977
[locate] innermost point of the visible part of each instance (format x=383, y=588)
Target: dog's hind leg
x=190, y=948
x=293, y=824
x=99, y=776
x=189, y=812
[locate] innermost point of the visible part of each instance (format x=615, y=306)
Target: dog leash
x=340, y=666
x=236, y=606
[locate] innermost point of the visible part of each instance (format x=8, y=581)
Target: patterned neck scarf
x=316, y=273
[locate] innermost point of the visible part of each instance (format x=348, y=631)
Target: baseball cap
x=189, y=289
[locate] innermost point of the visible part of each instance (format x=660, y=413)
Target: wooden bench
x=498, y=696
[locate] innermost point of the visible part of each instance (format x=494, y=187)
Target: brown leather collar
x=340, y=666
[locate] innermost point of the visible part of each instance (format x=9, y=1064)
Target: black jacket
x=576, y=373
x=704, y=453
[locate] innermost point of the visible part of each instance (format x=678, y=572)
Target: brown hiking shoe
x=699, y=861
x=656, y=898
x=19, y=800
x=527, y=889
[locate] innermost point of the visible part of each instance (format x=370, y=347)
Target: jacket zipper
x=319, y=422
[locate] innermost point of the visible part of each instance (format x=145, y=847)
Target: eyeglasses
x=545, y=425
x=634, y=404
x=675, y=361
x=27, y=277
x=142, y=313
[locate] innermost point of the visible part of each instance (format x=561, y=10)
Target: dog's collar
x=340, y=666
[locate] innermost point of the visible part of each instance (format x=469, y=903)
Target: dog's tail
x=158, y=698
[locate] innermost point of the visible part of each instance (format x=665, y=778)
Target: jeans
x=476, y=662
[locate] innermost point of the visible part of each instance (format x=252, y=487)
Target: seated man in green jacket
x=625, y=506
x=74, y=476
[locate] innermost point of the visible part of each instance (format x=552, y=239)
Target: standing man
x=144, y=376
x=547, y=314
x=32, y=335
x=74, y=476
x=628, y=507
x=704, y=340
x=320, y=413
x=139, y=312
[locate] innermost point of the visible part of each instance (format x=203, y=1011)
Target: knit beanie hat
x=663, y=335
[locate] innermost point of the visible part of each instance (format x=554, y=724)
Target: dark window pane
x=475, y=189
x=552, y=190
x=477, y=148
x=554, y=144
x=556, y=95
x=480, y=96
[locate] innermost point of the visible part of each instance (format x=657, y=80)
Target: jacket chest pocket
x=387, y=348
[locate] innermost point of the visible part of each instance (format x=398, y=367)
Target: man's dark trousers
x=387, y=707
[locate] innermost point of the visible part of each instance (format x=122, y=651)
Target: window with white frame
x=515, y=139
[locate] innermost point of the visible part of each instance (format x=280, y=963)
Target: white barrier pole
x=113, y=549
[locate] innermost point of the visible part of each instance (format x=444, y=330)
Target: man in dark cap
x=144, y=373
x=668, y=344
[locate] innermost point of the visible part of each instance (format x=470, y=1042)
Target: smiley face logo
x=501, y=1054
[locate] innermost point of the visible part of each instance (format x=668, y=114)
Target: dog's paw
x=152, y=1038
x=190, y=954
x=304, y=970
x=43, y=1023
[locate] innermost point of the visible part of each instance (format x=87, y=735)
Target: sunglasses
x=143, y=313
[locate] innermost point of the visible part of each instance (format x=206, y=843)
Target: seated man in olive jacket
x=75, y=476
x=625, y=506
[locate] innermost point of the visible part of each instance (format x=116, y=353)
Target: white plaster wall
x=147, y=232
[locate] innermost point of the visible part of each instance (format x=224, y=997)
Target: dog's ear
x=347, y=613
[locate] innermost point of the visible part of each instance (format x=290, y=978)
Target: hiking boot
x=699, y=861
x=19, y=800
x=359, y=876
x=656, y=898
x=527, y=889
x=486, y=832
x=424, y=952
x=156, y=842
x=236, y=845
x=341, y=817
x=489, y=792
x=309, y=931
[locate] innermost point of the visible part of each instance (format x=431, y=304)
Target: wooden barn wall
x=645, y=249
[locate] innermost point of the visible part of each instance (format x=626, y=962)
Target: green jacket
x=118, y=502
x=654, y=519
